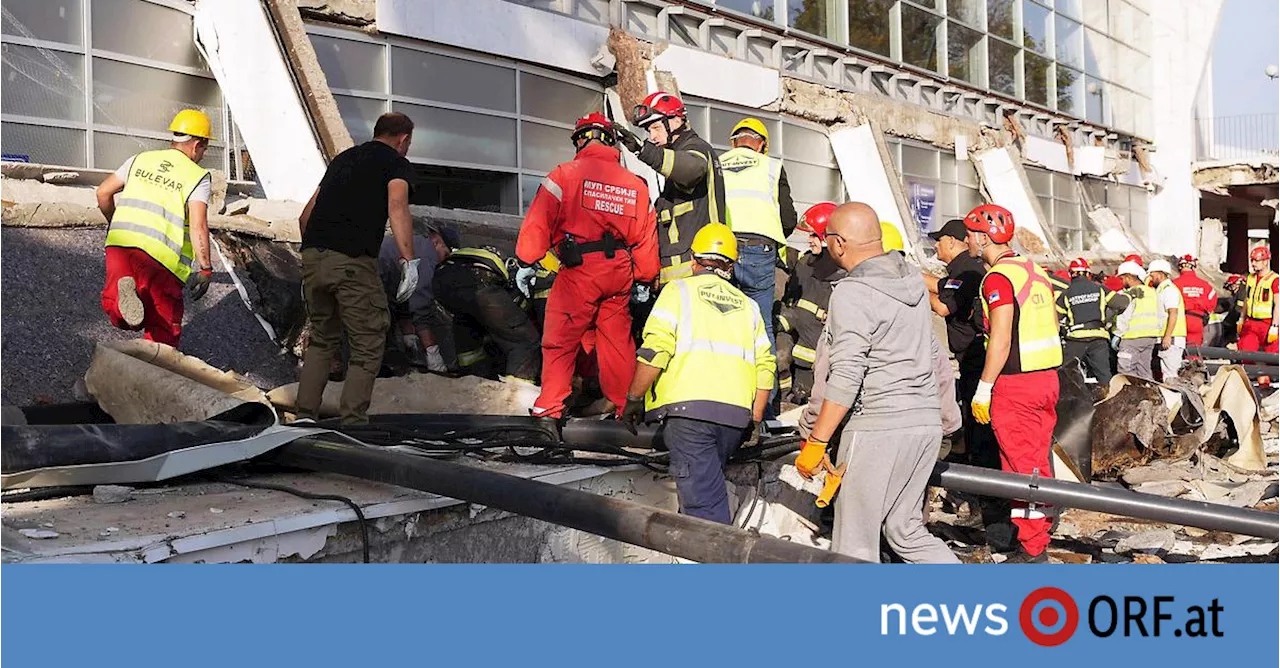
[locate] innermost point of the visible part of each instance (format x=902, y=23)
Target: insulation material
x=632, y=59
x=719, y=78
x=427, y=393
x=863, y=160
x=1231, y=395
x=1006, y=183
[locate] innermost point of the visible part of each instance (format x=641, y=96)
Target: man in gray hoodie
x=874, y=374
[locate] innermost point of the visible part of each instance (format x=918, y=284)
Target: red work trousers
x=1195, y=329
x=1023, y=414
x=159, y=290
x=1253, y=336
x=592, y=296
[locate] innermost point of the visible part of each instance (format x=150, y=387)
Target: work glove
x=633, y=413
x=408, y=279
x=1115, y=343
x=1271, y=334
x=640, y=293
x=811, y=456
x=981, y=405
x=198, y=284
x=751, y=435
x=628, y=138
x=435, y=361
x=524, y=281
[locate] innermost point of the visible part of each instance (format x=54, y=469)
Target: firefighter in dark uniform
x=693, y=194
x=805, y=301
x=1086, y=309
x=535, y=281
x=473, y=284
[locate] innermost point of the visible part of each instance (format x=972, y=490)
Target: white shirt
x=202, y=193
x=1169, y=299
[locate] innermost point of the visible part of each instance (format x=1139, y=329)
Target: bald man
x=875, y=368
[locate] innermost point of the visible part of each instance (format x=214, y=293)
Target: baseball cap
x=954, y=228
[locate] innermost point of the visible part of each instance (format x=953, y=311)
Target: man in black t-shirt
x=342, y=229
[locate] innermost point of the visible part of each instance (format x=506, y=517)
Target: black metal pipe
x=1234, y=355
x=1202, y=514
x=671, y=533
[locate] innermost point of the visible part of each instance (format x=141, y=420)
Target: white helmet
x=1133, y=269
x=1162, y=266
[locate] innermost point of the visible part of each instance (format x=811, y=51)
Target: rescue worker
x=158, y=237
x=472, y=284
x=693, y=193
x=342, y=229
x=876, y=390
x=534, y=282
x=598, y=218
x=804, y=310
x=1257, y=327
x=1114, y=283
x=1087, y=308
x=415, y=322
x=760, y=212
x=1228, y=311
x=1137, y=329
x=705, y=370
x=1173, y=320
x=1200, y=299
x=1018, y=392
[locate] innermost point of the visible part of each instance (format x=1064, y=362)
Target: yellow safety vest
x=1179, y=327
x=481, y=258
x=151, y=212
x=751, y=192
x=710, y=342
x=1035, y=345
x=1144, y=320
x=1259, y=300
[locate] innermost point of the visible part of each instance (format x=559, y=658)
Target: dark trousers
x=482, y=307
x=699, y=451
x=984, y=451
x=1096, y=355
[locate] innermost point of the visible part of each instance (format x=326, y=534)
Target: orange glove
x=812, y=454
x=1271, y=334
x=834, y=477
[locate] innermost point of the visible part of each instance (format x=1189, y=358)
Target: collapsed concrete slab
x=426, y=393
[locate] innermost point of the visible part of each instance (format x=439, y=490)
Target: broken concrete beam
x=301, y=57
x=36, y=191
x=358, y=13
x=54, y=214
x=427, y=393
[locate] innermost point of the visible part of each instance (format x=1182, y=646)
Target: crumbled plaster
x=359, y=13
x=633, y=59
x=1217, y=178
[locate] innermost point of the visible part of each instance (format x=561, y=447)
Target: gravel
x=51, y=287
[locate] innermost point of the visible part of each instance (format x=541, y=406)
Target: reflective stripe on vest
x=804, y=353
x=481, y=258
x=1084, y=311
x=674, y=268
x=751, y=192
x=1036, y=345
x=1144, y=319
x=151, y=212
x=1179, y=327
x=1259, y=299
x=817, y=311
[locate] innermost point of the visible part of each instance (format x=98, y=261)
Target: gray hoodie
x=878, y=349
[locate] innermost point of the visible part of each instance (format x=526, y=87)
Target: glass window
x=351, y=65
x=110, y=150
x=1069, y=238
x=931, y=4
x=869, y=25
x=920, y=38
x=722, y=123
x=133, y=96
x=431, y=76
x=543, y=146
x=967, y=199
x=1037, y=22
x=1070, y=91
x=801, y=143
x=964, y=53
x=1121, y=18
x=761, y=9
x=1036, y=79
x=529, y=185
x=1000, y=18
x=49, y=20
x=966, y=175
x=556, y=100
x=697, y=115
x=359, y=115
x=811, y=16
x=1069, y=42
x=1097, y=54
x=918, y=161
x=49, y=146
x=1117, y=196
x=43, y=83
x=1096, y=191
x=459, y=136
x=1070, y=8
x=814, y=184
x=1095, y=14
x=1096, y=101
x=1002, y=58
x=1064, y=187
x=463, y=188
x=966, y=11
x=1041, y=181
x=145, y=30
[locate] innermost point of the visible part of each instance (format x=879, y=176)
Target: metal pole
x=671, y=533
x=1234, y=355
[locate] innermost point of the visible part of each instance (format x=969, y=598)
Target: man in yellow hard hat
x=158, y=238
x=705, y=369
x=761, y=213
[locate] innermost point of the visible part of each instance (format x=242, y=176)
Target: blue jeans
x=753, y=272
x=699, y=451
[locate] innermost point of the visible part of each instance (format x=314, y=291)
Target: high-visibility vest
x=711, y=371
x=1144, y=319
x=1084, y=304
x=1179, y=327
x=751, y=192
x=151, y=212
x=1259, y=301
x=480, y=257
x=1035, y=345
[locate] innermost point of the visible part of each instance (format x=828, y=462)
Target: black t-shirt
x=959, y=292
x=350, y=215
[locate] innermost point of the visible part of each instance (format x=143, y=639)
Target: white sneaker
x=127, y=301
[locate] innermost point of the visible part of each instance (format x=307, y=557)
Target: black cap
x=954, y=228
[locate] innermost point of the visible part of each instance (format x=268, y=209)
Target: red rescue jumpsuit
x=585, y=198
x=1257, y=334
x=1200, y=300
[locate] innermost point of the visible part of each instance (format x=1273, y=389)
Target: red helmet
x=1233, y=280
x=1260, y=254
x=1187, y=261
x=657, y=106
x=1134, y=257
x=992, y=220
x=1079, y=264
x=596, y=126
x=816, y=217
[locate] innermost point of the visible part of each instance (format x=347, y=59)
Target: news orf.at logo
x=1048, y=616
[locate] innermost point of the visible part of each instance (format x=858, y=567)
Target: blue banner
x=923, y=196
x=639, y=615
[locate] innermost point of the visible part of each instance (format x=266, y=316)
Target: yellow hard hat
x=753, y=125
x=715, y=240
x=890, y=237
x=191, y=122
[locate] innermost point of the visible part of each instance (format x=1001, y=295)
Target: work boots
x=127, y=301
x=1021, y=557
